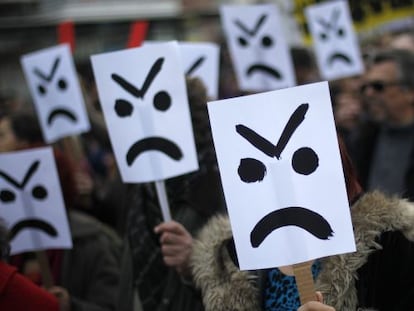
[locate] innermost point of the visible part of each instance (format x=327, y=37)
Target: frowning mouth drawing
x=304, y=161
x=61, y=85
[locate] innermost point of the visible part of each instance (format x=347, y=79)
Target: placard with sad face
x=31, y=201
x=144, y=100
x=282, y=176
x=258, y=49
x=56, y=92
x=336, y=44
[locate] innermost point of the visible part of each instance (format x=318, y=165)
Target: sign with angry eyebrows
x=282, y=176
x=201, y=60
x=336, y=44
x=258, y=49
x=56, y=92
x=31, y=201
x=144, y=100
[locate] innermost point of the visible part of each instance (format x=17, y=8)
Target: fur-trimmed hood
x=225, y=287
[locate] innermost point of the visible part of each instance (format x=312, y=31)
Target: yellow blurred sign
x=366, y=15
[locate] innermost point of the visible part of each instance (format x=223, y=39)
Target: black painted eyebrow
x=196, y=64
x=266, y=146
x=26, y=178
x=256, y=140
x=155, y=69
x=255, y=29
x=294, y=121
x=49, y=77
x=334, y=20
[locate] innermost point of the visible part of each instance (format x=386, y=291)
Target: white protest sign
x=201, y=60
x=282, y=176
x=258, y=49
x=56, y=92
x=335, y=41
x=31, y=201
x=143, y=96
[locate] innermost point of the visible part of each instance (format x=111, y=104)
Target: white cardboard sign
x=31, y=201
x=282, y=176
x=144, y=100
x=201, y=60
x=259, y=51
x=56, y=92
x=335, y=41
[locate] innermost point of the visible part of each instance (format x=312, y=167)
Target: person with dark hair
x=86, y=277
x=378, y=276
x=17, y=293
x=384, y=147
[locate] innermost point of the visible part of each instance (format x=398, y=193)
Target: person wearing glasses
x=383, y=152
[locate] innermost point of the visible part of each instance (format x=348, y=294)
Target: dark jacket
x=90, y=270
x=362, y=153
x=384, y=234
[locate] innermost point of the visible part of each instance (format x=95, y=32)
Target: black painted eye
x=7, y=196
x=243, y=41
x=305, y=161
x=323, y=36
x=267, y=41
x=162, y=101
x=62, y=84
x=251, y=170
x=41, y=89
x=39, y=192
x=340, y=32
x=123, y=108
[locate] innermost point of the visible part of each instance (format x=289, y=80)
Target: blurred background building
x=104, y=25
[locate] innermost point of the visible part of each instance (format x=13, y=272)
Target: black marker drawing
x=304, y=161
x=161, y=101
x=266, y=42
x=33, y=224
x=153, y=143
x=333, y=28
x=291, y=216
x=194, y=66
x=39, y=192
x=62, y=85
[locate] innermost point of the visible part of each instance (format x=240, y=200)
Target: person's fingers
x=170, y=226
x=319, y=297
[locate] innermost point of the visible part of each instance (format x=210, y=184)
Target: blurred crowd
x=125, y=257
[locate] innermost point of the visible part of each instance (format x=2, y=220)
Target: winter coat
x=90, y=270
x=378, y=276
x=17, y=293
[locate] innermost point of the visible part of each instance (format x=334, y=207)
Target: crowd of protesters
x=124, y=257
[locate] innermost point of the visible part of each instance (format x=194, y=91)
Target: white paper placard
x=144, y=100
x=336, y=44
x=201, y=60
x=54, y=87
x=31, y=201
x=258, y=49
x=282, y=177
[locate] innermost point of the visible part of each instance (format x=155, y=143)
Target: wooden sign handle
x=47, y=278
x=163, y=199
x=304, y=281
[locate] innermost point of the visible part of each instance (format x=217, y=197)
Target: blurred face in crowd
x=8, y=140
x=386, y=96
